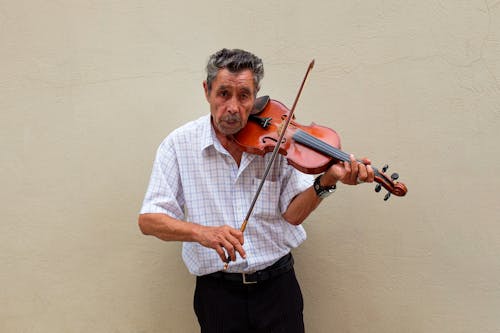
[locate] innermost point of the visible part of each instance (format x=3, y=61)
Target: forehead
x=239, y=80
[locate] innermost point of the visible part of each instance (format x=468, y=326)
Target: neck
x=228, y=143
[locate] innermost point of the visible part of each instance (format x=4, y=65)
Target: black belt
x=283, y=265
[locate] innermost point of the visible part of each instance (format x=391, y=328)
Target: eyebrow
x=243, y=89
x=222, y=88
x=246, y=90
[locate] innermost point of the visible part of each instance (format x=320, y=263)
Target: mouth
x=232, y=120
x=230, y=125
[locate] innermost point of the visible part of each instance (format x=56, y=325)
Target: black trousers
x=274, y=305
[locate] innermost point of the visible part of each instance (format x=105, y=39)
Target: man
x=200, y=189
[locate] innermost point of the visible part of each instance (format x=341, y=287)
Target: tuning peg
x=378, y=188
x=394, y=176
x=385, y=167
x=387, y=196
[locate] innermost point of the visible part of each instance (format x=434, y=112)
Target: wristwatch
x=323, y=191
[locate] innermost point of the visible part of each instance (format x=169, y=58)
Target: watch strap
x=323, y=191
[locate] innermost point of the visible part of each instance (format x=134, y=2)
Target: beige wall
x=88, y=89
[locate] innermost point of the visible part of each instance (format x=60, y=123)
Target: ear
x=205, y=87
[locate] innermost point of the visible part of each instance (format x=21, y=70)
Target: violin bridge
x=263, y=122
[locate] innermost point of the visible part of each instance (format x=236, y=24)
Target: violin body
x=311, y=149
x=257, y=139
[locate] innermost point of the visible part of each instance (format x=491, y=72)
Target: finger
x=371, y=174
x=347, y=168
x=354, y=169
x=366, y=161
x=237, y=242
x=229, y=249
x=369, y=177
x=240, y=250
x=237, y=234
x=222, y=254
x=362, y=174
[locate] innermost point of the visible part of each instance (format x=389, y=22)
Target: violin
x=311, y=149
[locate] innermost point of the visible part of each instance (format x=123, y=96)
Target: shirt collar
x=209, y=138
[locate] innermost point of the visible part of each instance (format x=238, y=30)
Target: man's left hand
x=353, y=172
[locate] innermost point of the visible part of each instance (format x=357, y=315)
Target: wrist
x=323, y=190
x=196, y=233
x=327, y=180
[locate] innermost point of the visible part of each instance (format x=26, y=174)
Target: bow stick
x=273, y=157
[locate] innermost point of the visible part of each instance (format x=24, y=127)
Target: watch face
x=325, y=193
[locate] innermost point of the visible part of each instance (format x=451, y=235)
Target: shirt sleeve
x=164, y=193
x=293, y=183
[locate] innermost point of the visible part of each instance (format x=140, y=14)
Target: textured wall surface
x=88, y=89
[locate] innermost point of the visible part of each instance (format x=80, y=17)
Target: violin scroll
x=390, y=184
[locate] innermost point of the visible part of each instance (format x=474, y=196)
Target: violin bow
x=273, y=157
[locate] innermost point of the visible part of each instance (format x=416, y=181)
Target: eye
x=223, y=93
x=244, y=96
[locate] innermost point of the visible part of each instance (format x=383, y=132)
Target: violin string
x=329, y=150
x=319, y=145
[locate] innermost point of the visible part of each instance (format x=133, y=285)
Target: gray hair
x=234, y=60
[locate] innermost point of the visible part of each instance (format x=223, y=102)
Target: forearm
x=301, y=206
x=304, y=203
x=218, y=238
x=167, y=228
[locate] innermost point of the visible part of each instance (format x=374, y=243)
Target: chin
x=230, y=130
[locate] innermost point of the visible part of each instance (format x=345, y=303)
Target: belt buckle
x=245, y=279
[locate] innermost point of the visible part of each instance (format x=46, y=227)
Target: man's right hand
x=222, y=239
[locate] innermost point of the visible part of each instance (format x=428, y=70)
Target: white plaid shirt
x=195, y=179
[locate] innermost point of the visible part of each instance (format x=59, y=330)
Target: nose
x=232, y=105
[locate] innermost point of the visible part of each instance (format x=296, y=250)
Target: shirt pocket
x=267, y=204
